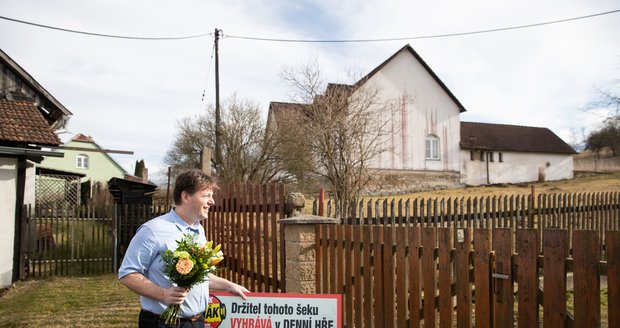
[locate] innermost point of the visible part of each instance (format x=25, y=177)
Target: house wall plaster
x=422, y=108
x=8, y=177
x=515, y=168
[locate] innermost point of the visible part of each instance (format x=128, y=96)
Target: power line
x=425, y=36
x=313, y=41
x=107, y=35
x=204, y=90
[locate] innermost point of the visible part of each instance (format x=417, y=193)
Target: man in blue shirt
x=142, y=267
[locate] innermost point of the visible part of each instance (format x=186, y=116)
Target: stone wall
x=592, y=162
x=395, y=182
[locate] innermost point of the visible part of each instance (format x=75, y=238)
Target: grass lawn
x=97, y=301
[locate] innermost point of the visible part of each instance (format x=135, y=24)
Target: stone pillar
x=299, y=239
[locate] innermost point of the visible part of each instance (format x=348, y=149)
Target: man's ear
x=184, y=196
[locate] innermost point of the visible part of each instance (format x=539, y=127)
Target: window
x=81, y=161
x=471, y=155
x=491, y=157
x=432, y=147
x=481, y=156
x=500, y=157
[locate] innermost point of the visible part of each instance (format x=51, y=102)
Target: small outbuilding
x=131, y=192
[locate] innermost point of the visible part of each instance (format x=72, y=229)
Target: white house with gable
x=430, y=147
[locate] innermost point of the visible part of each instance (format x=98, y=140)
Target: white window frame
x=432, y=147
x=82, y=161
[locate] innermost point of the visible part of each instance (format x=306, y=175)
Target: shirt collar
x=182, y=225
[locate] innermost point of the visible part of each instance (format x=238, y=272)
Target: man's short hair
x=192, y=181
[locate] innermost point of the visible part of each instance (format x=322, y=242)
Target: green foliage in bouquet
x=187, y=266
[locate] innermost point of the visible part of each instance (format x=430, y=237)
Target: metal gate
x=68, y=240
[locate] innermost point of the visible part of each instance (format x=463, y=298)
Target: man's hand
x=238, y=290
x=173, y=295
x=222, y=284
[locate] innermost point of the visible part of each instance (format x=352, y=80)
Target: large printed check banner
x=270, y=310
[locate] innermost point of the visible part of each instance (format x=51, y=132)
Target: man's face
x=198, y=203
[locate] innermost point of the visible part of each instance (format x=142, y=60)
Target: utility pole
x=218, y=123
x=168, y=189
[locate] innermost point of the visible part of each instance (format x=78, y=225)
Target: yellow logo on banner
x=215, y=312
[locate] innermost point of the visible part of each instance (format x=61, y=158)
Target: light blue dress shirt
x=144, y=256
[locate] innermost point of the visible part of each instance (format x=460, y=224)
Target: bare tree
x=340, y=127
x=608, y=136
x=248, y=152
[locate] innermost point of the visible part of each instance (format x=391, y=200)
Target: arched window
x=432, y=147
x=81, y=161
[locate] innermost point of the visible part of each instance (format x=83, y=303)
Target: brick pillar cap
x=309, y=219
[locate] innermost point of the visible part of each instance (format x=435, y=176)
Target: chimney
x=205, y=160
x=145, y=175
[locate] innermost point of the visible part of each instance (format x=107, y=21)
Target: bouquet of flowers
x=187, y=266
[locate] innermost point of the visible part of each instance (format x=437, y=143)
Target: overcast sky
x=129, y=94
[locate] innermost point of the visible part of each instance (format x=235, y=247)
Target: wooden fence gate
x=445, y=277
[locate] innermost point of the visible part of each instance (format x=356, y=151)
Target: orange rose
x=184, y=266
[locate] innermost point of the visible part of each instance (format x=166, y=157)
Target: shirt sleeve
x=140, y=254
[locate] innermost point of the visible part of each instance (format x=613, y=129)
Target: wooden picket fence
x=413, y=276
x=245, y=221
x=575, y=211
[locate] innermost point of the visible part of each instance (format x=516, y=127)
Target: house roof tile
x=281, y=110
x=82, y=138
x=503, y=137
x=22, y=122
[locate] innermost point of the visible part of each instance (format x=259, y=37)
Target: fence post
x=299, y=239
x=115, y=237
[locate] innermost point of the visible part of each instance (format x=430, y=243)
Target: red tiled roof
x=82, y=138
x=22, y=122
x=282, y=110
x=503, y=137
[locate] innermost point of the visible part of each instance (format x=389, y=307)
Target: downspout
x=20, y=187
x=487, y=160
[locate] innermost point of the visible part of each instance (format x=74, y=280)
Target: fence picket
x=482, y=280
x=462, y=242
x=612, y=242
x=429, y=265
x=266, y=256
x=368, y=277
x=554, y=299
x=586, y=279
x=377, y=255
x=251, y=209
x=339, y=249
x=358, y=254
x=445, y=278
x=388, y=276
x=348, y=275
x=527, y=277
x=415, y=302
x=502, y=277
x=319, y=242
x=401, y=277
